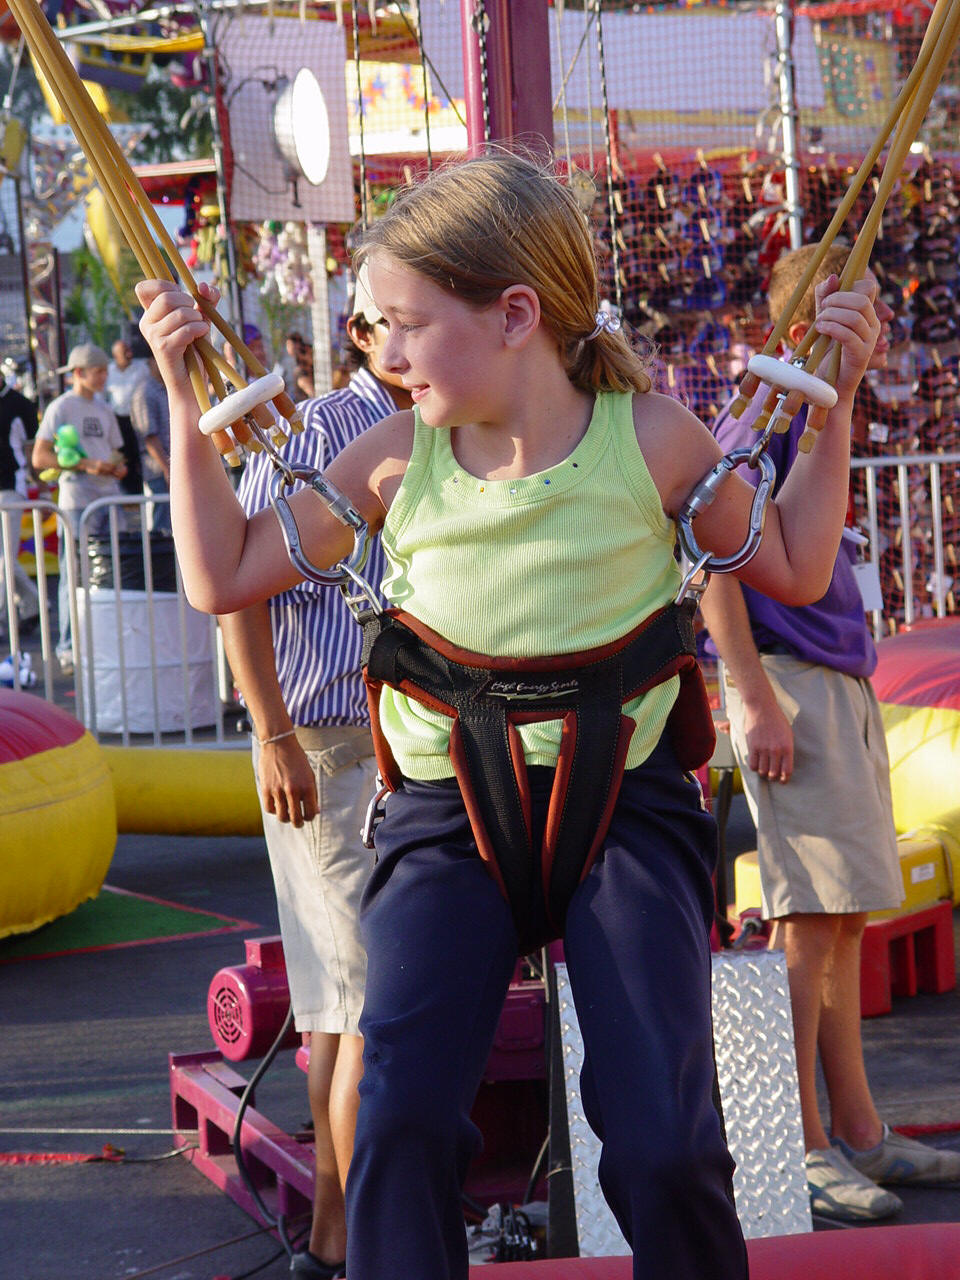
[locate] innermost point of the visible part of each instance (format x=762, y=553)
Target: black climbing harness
x=488, y=699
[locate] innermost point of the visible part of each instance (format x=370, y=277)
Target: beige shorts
x=320, y=871
x=825, y=840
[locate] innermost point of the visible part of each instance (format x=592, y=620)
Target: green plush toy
x=67, y=446
x=69, y=451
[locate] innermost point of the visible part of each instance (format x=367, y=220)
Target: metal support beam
x=532, y=90
x=789, y=119
x=25, y=284
x=498, y=38
x=320, y=309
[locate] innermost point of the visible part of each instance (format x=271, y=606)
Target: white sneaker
x=838, y=1190
x=903, y=1160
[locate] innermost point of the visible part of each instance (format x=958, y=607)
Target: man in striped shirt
x=296, y=662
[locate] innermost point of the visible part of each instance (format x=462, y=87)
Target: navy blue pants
x=441, y=949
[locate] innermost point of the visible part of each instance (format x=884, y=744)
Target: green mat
x=116, y=918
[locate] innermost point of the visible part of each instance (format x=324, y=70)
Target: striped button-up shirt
x=316, y=640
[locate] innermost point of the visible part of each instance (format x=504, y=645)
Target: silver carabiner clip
x=346, y=571
x=374, y=815
x=701, y=498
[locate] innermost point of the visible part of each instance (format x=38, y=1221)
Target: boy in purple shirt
x=833, y=631
x=807, y=734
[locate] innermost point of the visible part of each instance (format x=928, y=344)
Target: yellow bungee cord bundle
x=794, y=381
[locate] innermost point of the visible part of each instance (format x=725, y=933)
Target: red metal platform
x=205, y=1094
x=246, y=1008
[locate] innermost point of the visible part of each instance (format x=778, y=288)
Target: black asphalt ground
x=84, y=1062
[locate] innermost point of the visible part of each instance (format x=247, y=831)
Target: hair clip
x=607, y=321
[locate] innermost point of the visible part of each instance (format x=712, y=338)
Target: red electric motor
x=247, y=1003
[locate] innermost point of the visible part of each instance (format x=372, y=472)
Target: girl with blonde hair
x=534, y=693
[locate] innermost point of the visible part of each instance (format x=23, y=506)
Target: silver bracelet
x=277, y=737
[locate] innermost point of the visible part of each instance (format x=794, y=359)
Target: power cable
x=278, y=1222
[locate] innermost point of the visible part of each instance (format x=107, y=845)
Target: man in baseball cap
x=85, y=356
x=92, y=469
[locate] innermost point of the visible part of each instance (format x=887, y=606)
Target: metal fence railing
x=913, y=548
x=147, y=668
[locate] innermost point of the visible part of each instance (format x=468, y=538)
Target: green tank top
x=568, y=559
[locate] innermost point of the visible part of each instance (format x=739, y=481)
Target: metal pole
x=320, y=310
x=25, y=279
x=474, y=76
x=209, y=55
x=500, y=104
x=58, y=311
x=6, y=114
x=783, y=21
x=532, y=91
x=500, y=80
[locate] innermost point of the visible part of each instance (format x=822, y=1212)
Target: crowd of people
x=115, y=415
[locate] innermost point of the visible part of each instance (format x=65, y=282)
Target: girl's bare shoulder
x=676, y=446
x=658, y=414
x=374, y=463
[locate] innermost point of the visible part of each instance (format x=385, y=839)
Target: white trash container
x=123, y=662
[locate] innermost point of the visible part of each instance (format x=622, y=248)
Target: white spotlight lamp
x=301, y=129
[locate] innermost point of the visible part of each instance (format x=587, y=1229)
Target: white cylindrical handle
x=790, y=377
x=237, y=403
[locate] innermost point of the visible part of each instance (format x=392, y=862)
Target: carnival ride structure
x=792, y=383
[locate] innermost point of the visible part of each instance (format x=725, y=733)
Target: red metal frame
x=905, y=954
x=205, y=1095
x=205, y=1091
x=926, y=1252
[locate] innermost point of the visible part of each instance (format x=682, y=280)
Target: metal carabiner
x=701, y=498
x=374, y=814
x=271, y=450
x=339, y=505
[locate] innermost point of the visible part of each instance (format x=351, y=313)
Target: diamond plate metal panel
x=757, y=1071
x=597, y=1230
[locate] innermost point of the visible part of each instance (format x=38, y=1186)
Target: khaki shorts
x=320, y=871
x=825, y=840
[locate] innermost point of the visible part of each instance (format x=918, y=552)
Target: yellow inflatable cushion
x=58, y=832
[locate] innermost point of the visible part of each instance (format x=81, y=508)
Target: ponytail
x=606, y=363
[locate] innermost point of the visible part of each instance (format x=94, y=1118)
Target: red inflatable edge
x=921, y=668
x=29, y=725
x=930, y=1251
